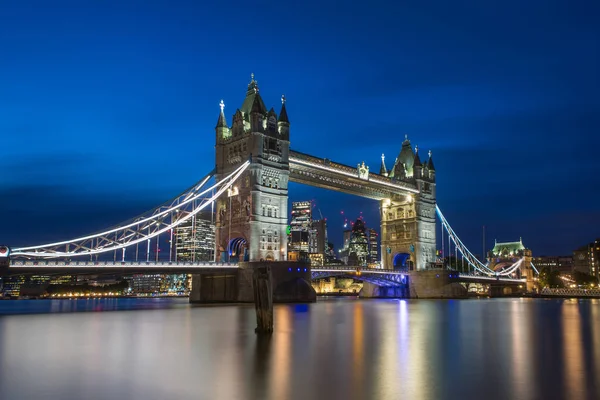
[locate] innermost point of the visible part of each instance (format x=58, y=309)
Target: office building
x=585, y=259
x=195, y=239
x=374, y=260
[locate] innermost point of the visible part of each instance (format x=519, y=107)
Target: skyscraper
x=319, y=237
x=195, y=239
x=373, y=248
x=301, y=215
x=300, y=230
x=358, y=249
x=308, y=237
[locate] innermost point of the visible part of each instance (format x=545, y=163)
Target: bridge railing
x=125, y=264
x=489, y=278
x=575, y=292
x=360, y=270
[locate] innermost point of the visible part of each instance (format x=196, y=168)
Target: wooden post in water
x=263, y=299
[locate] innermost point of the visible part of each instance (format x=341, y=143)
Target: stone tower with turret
x=408, y=234
x=252, y=217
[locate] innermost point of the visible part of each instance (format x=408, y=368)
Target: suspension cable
x=471, y=259
x=134, y=236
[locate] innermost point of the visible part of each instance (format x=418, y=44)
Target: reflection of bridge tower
x=408, y=222
x=254, y=215
x=504, y=255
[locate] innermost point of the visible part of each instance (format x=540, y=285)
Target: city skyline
x=88, y=143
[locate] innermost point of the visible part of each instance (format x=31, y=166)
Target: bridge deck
x=322, y=172
x=17, y=267
x=110, y=267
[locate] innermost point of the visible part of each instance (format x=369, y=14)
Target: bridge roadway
x=326, y=174
x=385, y=277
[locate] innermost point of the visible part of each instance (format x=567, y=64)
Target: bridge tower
x=506, y=254
x=408, y=221
x=252, y=218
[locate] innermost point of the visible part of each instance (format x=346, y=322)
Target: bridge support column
x=527, y=271
x=215, y=287
x=501, y=290
x=263, y=298
x=436, y=284
x=370, y=290
x=290, y=283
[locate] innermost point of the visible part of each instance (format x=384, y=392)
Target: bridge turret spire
x=383, y=169
x=222, y=121
x=403, y=167
x=417, y=161
x=252, y=86
x=430, y=162
x=222, y=130
x=253, y=103
x=283, y=117
x=283, y=123
x=417, y=164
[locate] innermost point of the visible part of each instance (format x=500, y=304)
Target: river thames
x=334, y=349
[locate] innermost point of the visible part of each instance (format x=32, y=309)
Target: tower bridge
x=253, y=167
x=255, y=213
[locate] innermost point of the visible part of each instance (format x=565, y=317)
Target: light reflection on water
x=350, y=349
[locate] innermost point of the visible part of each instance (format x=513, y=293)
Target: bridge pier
x=373, y=291
x=436, y=284
x=214, y=287
x=290, y=283
x=501, y=290
x=429, y=284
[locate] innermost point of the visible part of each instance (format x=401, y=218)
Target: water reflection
x=350, y=349
x=358, y=343
x=282, y=357
x=593, y=319
x=520, y=345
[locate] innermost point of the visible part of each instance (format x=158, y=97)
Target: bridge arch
x=401, y=260
x=237, y=249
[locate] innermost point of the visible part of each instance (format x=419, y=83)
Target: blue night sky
x=108, y=108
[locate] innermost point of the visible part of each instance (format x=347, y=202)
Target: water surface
x=335, y=349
